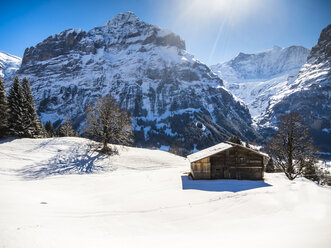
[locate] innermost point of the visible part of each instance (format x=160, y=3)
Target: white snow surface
x=142, y=198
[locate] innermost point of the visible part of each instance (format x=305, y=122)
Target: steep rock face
x=174, y=99
x=309, y=94
x=9, y=64
x=257, y=78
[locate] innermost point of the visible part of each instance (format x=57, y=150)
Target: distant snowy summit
x=256, y=78
x=175, y=100
x=262, y=65
x=9, y=64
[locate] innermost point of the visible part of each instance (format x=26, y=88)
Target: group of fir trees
x=18, y=115
x=64, y=130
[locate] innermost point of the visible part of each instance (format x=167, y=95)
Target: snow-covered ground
x=143, y=198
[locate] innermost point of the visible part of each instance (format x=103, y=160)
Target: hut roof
x=216, y=149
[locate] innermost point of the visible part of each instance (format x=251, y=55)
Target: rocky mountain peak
x=123, y=30
x=128, y=28
x=322, y=50
x=127, y=18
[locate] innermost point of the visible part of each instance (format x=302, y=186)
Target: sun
x=209, y=10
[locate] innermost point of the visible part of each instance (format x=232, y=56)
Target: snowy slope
x=257, y=78
x=148, y=71
x=9, y=64
x=141, y=198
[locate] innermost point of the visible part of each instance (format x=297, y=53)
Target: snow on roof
x=209, y=151
x=216, y=149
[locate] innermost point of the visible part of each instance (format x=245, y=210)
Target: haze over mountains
x=174, y=98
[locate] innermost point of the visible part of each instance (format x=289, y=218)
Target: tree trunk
x=105, y=146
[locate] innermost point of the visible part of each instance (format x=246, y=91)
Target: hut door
x=217, y=167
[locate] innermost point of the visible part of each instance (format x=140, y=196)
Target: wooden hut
x=228, y=161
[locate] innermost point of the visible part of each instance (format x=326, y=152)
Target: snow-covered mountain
x=309, y=94
x=256, y=78
x=9, y=64
x=173, y=97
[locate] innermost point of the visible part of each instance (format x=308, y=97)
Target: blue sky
x=214, y=30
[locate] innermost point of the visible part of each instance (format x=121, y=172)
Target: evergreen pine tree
x=270, y=168
x=49, y=129
x=235, y=139
x=16, y=109
x=40, y=130
x=310, y=172
x=3, y=110
x=33, y=127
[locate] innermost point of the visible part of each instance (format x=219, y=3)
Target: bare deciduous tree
x=107, y=122
x=291, y=147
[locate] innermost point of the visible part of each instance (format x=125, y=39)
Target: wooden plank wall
x=237, y=163
x=201, y=169
x=245, y=164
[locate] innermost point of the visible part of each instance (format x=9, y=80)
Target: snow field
x=142, y=198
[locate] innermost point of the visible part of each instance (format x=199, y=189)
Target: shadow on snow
x=222, y=185
x=8, y=140
x=79, y=160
